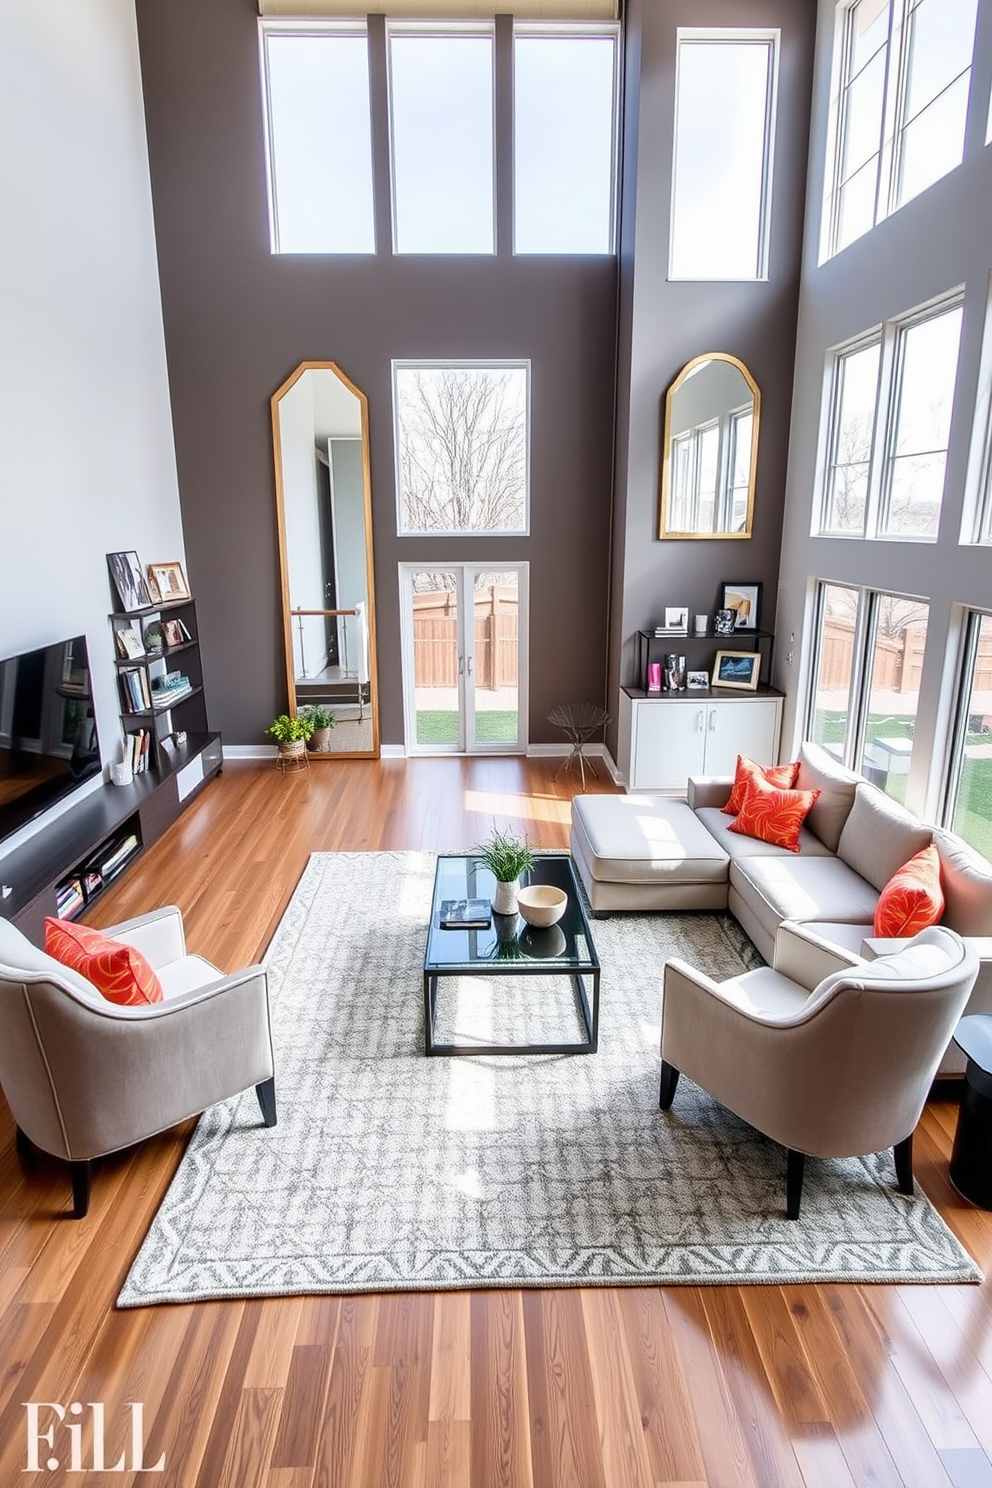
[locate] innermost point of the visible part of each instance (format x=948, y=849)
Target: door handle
x=470, y=666
x=712, y=720
x=461, y=666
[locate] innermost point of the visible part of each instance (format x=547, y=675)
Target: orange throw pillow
x=912, y=899
x=782, y=776
x=773, y=815
x=118, y=971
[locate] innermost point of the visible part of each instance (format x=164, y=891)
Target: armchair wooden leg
x=26, y=1149
x=266, y=1093
x=795, y=1168
x=903, y=1154
x=669, y=1081
x=81, y=1174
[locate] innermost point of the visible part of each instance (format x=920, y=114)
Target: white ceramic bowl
x=542, y=904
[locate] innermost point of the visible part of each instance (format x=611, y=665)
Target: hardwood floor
x=648, y=1387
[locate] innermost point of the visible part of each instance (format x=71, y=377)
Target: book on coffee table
x=465, y=914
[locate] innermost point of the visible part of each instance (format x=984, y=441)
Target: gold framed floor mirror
x=323, y=489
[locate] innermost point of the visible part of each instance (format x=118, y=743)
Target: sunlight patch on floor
x=471, y=1103
x=527, y=808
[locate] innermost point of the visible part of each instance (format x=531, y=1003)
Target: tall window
x=866, y=682
x=903, y=74
x=830, y=697
x=886, y=439
x=462, y=447
x=441, y=101
x=969, y=805
x=319, y=138
x=724, y=127
x=564, y=140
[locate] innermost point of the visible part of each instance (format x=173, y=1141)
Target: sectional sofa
x=652, y=852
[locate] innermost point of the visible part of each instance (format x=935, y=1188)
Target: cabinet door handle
x=712, y=720
x=699, y=721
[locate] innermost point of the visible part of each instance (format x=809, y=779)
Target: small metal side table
x=971, y=1158
x=578, y=721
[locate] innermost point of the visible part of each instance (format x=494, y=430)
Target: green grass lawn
x=440, y=726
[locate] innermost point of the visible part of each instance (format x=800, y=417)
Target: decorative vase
x=320, y=739
x=505, y=897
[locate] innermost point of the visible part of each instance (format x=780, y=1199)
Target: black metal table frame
x=577, y=974
x=590, y=1020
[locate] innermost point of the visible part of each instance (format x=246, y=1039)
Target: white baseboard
x=249, y=751
x=392, y=751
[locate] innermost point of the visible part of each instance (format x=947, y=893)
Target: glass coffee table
x=511, y=948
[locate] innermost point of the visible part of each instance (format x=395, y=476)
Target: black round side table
x=971, y=1158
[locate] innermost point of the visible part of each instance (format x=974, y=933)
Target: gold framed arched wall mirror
x=710, y=449
x=320, y=438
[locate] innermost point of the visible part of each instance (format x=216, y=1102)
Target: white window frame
x=976, y=525
x=894, y=122
x=527, y=30
x=741, y=34
x=891, y=338
x=971, y=621
x=464, y=572
x=450, y=31
x=480, y=364
x=289, y=27
x=862, y=660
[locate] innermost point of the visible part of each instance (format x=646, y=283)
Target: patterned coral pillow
x=912, y=899
x=118, y=971
x=773, y=815
x=782, y=776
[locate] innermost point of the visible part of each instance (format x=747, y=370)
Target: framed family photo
x=168, y=581
x=737, y=669
x=745, y=601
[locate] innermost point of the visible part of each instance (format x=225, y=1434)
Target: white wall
x=85, y=425
x=940, y=240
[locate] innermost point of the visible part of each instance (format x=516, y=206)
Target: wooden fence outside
x=435, y=638
x=898, y=659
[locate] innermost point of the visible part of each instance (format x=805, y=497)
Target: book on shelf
x=465, y=914
x=69, y=897
x=121, y=851
x=129, y=643
x=134, y=690
x=670, y=630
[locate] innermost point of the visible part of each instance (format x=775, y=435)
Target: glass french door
x=465, y=658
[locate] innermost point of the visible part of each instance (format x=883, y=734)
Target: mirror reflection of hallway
x=323, y=500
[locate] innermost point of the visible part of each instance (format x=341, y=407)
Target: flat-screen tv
x=48, y=738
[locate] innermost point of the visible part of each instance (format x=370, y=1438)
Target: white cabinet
x=662, y=741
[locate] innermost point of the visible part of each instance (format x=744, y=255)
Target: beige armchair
x=829, y=1055
x=84, y=1076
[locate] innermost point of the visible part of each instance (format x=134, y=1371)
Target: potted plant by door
x=323, y=721
x=507, y=856
x=291, y=735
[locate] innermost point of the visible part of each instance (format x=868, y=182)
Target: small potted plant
x=291, y=735
x=507, y=856
x=323, y=721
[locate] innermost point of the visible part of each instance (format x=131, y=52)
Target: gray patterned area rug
x=392, y=1171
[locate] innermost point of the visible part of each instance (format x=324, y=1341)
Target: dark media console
x=91, y=843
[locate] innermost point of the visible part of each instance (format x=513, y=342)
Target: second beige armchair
x=829, y=1055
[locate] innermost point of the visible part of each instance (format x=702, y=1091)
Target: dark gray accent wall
x=239, y=319
x=664, y=324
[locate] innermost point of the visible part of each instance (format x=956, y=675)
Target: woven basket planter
x=292, y=752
